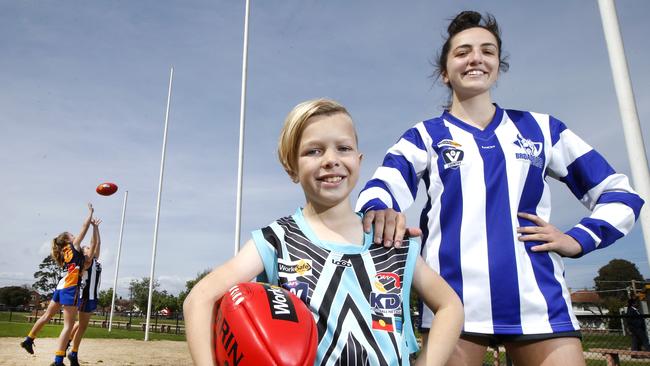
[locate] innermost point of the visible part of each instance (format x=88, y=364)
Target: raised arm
x=199, y=308
x=448, y=310
x=84, y=228
x=96, y=238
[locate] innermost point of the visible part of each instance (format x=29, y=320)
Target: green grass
x=15, y=329
x=15, y=316
x=135, y=321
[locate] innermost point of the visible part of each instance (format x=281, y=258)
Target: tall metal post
x=117, y=261
x=160, y=185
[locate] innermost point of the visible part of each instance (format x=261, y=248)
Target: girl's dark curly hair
x=466, y=20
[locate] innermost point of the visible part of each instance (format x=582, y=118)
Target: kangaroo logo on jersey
x=531, y=151
x=294, y=269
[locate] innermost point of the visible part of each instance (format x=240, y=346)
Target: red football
x=259, y=324
x=106, y=189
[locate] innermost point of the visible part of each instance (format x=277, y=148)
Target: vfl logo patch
x=293, y=269
x=530, y=151
x=452, y=157
x=280, y=304
x=300, y=289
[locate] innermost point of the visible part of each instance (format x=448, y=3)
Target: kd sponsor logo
x=386, y=303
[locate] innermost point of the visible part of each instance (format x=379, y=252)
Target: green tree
x=139, y=290
x=168, y=301
x=13, y=296
x=189, y=285
x=613, y=282
x=614, y=278
x=104, y=299
x=48, y=275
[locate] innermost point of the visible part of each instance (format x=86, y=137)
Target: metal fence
x=606, y=340
x=173, y=324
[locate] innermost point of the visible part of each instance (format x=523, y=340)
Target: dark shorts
x=87, y=306
x=494, y=340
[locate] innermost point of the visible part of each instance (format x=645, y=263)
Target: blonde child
x=318, y=149
x=66, y=252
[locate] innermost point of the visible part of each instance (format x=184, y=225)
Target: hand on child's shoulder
x=389, y=227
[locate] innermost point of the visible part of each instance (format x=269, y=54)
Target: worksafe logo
x=291, y=269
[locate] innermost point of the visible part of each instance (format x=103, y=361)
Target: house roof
x=585, y=296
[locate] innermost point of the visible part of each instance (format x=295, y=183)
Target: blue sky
x=85, y=85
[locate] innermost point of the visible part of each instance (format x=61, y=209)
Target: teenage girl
x=66, y=252
x=486, y=223
x=90, y=282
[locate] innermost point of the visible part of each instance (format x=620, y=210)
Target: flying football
x=106, y=189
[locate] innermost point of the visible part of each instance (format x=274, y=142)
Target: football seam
x=257, y=332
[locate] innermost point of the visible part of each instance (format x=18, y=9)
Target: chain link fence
x=607, y=340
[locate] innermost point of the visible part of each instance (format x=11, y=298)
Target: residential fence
x=173, y=324
x=606, y=341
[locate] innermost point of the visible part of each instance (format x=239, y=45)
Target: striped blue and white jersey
x=91, y=279
x=476, y=182
x=359, y=295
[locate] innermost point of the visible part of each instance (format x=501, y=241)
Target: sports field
x=108, y=352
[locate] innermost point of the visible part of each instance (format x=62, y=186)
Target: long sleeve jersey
x=477, y=181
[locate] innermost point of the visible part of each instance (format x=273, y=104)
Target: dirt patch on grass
x=107, y=352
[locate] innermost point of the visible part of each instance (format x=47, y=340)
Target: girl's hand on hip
x=554, y=240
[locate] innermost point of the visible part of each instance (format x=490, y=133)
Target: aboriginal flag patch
x=382, y=323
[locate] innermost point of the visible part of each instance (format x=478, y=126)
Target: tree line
x=615, y=283
x=49, y=274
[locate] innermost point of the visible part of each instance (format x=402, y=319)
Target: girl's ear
x=445, y=79
x=360, y=157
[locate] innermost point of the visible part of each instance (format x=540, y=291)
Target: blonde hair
x=294, y=125
x=58, y=243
